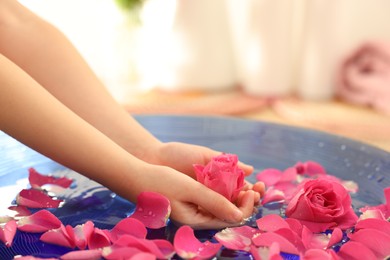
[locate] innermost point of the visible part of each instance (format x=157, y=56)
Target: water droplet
x=150, y=213
x=140, y=209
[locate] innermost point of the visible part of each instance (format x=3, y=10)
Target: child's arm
x=32, y=115
x=47, y=56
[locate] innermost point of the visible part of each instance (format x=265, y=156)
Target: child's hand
x=193, y=203
x=181, y=157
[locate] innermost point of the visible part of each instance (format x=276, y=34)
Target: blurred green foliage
x=129, y=5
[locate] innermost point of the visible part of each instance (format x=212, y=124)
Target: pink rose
x=322, y=204
x=222, y=175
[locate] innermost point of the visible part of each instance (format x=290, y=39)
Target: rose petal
x=123, y=252
x=144, y=245
x=82, y=233
x=129, y=226
x=372, y=223
x=336, y=237
x=310, y=168
x=63, y=236
x=99, y=238
x=188, y=246
x=267, y=239
x=273, y=195
x=237, y=238
x=152, y=209
x=371, y=213
x=83, y=254
x=267, y=253
x=21, y=210
x=320, y=254
x=377, y=241
x=36, y=199
x=40, y=221
x=37, y=180
x=355, y=251
x=292, y=237
x=7, y=233
x=269, y=176
x=271, y=222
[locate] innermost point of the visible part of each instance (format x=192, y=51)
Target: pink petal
x=40, y=221
x=269, y=176
x=93, y=254
x=314, y=240
x=273, y=195
x=292, y=237
x=188, y=246
x=37, y=180
x=271, y=222
x=371, y=213
x=63, y=236
x=336, y=237
x=98, y=239
x=267, y=253
x=294, y=225
x=310, y=168
x=372, y=223
x=319, y=254
x=129, y=226
x=237, y=238
x=377, y=241
x=144, y=245
x=21, y=211
x=152, y=209
x=355, y=250
x=7, y=233
x=165, y=247
x=123, y=252
x=267, y=239
x=82, y=233
x=36, y=199
x=143, y=256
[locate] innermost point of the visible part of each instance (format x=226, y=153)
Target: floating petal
x=129, y=226
x=63, y=236
x=237, y=238
x=94, y=254
x=187, y=246
x=267, y=239
x=377, y=241
x=36, y=199
x=271, y=222
x=7, y=233
x=37, y=180
x=40, y=221
x=152, y=209
x=355, y=251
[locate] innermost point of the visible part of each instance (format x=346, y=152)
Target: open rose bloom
x=222, y=175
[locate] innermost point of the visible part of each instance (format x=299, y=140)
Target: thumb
x=218, y=205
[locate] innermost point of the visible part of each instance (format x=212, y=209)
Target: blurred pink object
x=364, y=77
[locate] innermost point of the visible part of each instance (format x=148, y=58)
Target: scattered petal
x=98, y=239
x=145, y=245
x=355, y=250
x=82, y=234
x=21, y=210
x=237, y=238
x=40, y=221
x=7, y=233
x=268, y=238
x=273, y=195
x=269, y=176
x=63, y=236
x=188, y=246
x=37, y=180
x=94, y=254
x=372, y=223
x=152, y=209
x=377, y=241
x=271, y=222
x=129, y=226
x=36, y=199
x=320, y=254
x=267, y=253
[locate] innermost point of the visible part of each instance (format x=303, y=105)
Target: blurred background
x=308, y=62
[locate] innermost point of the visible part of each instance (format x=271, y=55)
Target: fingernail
x=236, y=216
